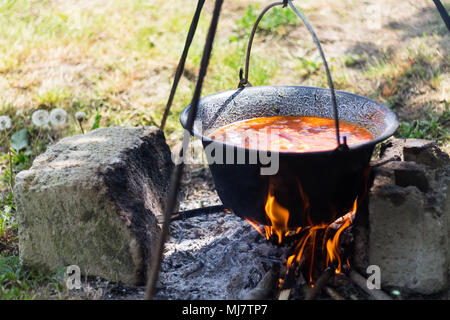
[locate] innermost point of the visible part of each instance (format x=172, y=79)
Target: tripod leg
x=180, y=67
x=155, y=263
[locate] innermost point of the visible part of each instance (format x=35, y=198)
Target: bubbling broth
x=289, y=134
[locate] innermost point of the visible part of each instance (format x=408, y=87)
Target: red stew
x=289, y=133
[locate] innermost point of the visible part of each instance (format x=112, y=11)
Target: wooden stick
x=359, y=280
x=333, y=294
x=284, y=294
x=287, y=285
x=181, y=63
x=11, y=172
x=154, y=263
x=197, y=212
x=265, y=286
x=302, y=285
x=319, y=284
x=291, y=280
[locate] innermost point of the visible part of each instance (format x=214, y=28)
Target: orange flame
x=278, y=216
x=255, y=226
x=306, y=248
x=330, y=248
x=333, y=254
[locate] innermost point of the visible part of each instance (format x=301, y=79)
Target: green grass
x=17, y=283
x=432, y=127
x=7, y=221
x=274, y=21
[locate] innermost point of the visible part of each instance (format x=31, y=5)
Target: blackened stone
x=91, y=200
x=425, y=152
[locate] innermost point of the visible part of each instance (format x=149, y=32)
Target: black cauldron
x=315, y=187
x=321, y=185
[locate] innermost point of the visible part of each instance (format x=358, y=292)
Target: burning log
x=293, y=279
x=287, y=284
x=319, y=284
x=359, y=280
x=315, y=247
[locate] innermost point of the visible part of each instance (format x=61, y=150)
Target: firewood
x=319, y=284
x=288, y=283
x=194, y=213
x=333, y=294
x=359, y=280
x=286, y=287
x=284, y=294
x=264, y=287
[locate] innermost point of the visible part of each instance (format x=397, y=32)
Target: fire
x=330, y=250
x=278, y=216
x=318, y=246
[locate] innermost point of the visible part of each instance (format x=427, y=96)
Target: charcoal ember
x=192, y=269
x=254, y=278
x=346, y=288
x=233, y=262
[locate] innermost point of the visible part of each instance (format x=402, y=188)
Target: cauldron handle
x=243, y=82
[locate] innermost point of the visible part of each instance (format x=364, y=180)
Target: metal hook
x=325, y=64
x=244, y=80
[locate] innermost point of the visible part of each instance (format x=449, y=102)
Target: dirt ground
x=372, y=32
x=396, y=52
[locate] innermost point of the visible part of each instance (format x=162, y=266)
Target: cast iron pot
x=322, y=185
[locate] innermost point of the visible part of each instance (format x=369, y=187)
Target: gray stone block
x=425, y=152
x=408, y=220
x=407, y=240
x=90, y=200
